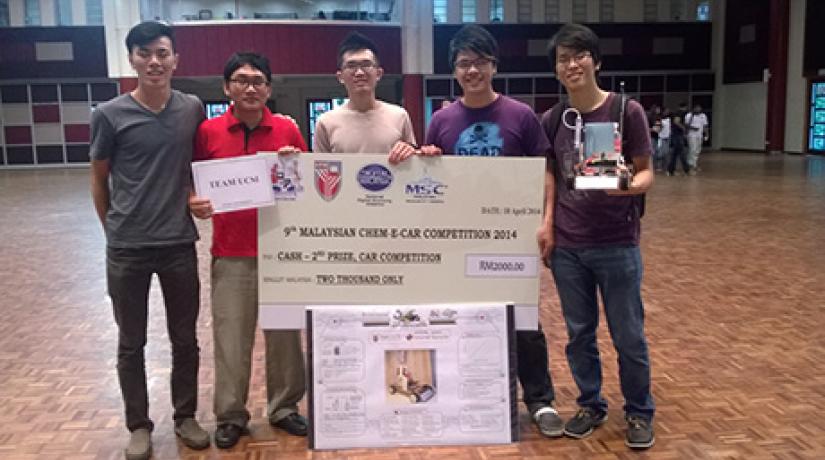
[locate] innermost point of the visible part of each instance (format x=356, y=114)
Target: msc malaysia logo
x=328, y=178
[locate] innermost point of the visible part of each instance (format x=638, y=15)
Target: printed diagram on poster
x=385, y=376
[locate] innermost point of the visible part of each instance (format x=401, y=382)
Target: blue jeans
x=617, y=273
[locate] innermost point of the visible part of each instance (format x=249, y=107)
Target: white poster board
x=386, y=376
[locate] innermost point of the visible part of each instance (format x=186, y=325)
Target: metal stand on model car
x=603, y=168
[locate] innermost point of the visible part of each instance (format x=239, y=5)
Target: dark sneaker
x=549, y=422
x=140, y=445
x=584, y=422
x=192, y=434
x=639, y=433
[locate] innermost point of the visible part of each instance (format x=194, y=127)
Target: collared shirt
x=235, y=234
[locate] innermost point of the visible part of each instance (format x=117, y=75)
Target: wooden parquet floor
x=735, y=319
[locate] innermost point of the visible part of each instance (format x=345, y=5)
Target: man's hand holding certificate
x=232, y=184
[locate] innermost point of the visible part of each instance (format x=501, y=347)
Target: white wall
x=796, y=103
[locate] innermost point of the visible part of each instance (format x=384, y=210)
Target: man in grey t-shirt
x=141, y=152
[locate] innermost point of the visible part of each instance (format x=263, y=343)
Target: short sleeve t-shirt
x=150, y=175
x=504, y=128
x=594, y=218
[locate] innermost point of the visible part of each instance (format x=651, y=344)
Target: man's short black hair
x=473, y=38
x=242, y=58
x=146, y=32
x=578, y=38
x=355, y=42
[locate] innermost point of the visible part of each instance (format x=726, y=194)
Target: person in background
x=696, y=123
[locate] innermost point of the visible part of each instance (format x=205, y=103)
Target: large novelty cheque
x=353, y=229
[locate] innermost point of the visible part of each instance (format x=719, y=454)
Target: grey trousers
x=234, y=321
x=129, y=274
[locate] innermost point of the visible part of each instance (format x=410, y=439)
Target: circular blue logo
x=374, y=177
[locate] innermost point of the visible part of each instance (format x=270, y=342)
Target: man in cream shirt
x=364, y=124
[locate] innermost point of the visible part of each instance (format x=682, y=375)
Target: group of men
x=671, y=133
x=142, y=146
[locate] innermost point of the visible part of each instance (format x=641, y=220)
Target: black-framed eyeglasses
x=243, y=83
x=478, y=63
x=579, y=57
x=353, y=66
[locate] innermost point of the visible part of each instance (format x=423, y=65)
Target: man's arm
x=100, y=188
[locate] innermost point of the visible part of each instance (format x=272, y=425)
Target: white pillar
x=796, y=101
x=416, y=37
x=482, y=11
x=453, y=11
x=118, y=17
x=79, y=13
x=17, y=13
x=47, y=13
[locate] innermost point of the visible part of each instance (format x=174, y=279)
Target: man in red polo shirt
x=248, y=127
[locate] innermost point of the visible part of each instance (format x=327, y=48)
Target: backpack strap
x=554, y=122
x=618, y=114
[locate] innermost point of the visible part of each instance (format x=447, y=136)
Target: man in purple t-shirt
x=485, y=123
x=592, y=240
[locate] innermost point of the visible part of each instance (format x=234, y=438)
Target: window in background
x=580, y=11
x=703, y=11
x=551, y=11
x=94, y=12
x=496, y=10
x=606, y=11
x=650, y=12
x=31, y=11
x=440, y=11
x=63, y=12
x=4, y=13
x=468, y=10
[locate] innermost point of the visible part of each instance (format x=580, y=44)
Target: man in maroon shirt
x=246, y=128
x=592, y=240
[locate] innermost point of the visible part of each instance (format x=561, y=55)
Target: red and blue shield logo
x=327, y=178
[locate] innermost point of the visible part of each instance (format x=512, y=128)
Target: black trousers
x=533, y=369
x=677, y=151
x=128, y=274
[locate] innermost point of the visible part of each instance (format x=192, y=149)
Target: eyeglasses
x=478, y=63
x=257, y=83
x=564, y=60
x=353, y=66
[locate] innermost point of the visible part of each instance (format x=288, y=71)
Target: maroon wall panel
x=291, y=48
x=46, y=113
x=76, y=133
x=18, y=134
